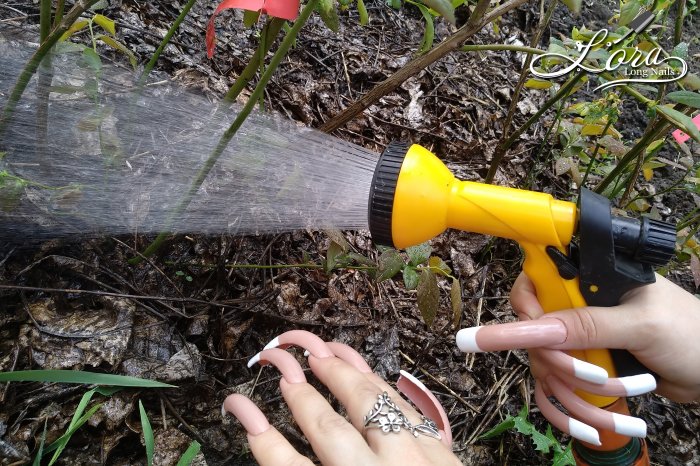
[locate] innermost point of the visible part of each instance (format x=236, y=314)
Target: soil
x=192, y=320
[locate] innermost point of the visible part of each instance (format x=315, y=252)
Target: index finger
x=523, y=298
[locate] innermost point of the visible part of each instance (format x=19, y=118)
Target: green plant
x=148, y=439
x=544, y=443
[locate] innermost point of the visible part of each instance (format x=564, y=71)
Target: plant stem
x=58, y=16
x=156, y=55
x=563, y=91
x=595, y=154
x=231, y=131
x=44, y=19
x=498, y=47
x=477, y=21
x=678, y=29
x=270, y=33
x=33, y=63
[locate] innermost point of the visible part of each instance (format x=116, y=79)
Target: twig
x=452, y=43
x=437, y=381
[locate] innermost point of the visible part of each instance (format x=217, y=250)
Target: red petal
x=285, y=9
x=252, y=5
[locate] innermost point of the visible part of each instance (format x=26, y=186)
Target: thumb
x=599, y=327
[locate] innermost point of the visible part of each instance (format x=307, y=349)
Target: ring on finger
x=388, y=417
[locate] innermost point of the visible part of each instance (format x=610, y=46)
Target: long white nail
x=590, y=372
x=254, y=360
x=583, y=432
x=274, y=343
x=466, y=340
x=638, y=384
x=630, y=426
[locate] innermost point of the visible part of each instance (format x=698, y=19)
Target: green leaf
x=429, y=32
x=419, y=254
x=653, y=148
x=339, y=238
x=534, y=83
x=91, y=59
x=573, y=5
x=189, y=454
x=680, y=120
x=119, y=47
x=11, y=190
x=689, y=98
x=91, y=378
x=629, y=11
x=456, y=300
x=395, y=4
x=428, y=296
x=76, y=422
x=390, y=263
x=328, y=9
x=541, y=441
x=101, y=5
x=680, y=50
x=444, y=7
x=105, y=23
x=334, y=255
x=507, y=424
x=565, y=458
x=362, y=10
x=147, y=435
x=436, y=263
x=250, y=18
x=40, y=453
x=410, y=277
x=75, y=27
x=691, y=81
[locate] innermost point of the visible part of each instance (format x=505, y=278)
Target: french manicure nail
x=426, y=402
x=583, y=432
x=513, y=335
x=575, y=367
x=285, y=362
x=306, y=340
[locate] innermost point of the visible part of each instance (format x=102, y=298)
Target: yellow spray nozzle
x=415, y=197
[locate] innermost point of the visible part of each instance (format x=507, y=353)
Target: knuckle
x=332, y=424
x=585, y=326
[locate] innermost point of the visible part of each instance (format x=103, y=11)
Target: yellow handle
x=429, y=199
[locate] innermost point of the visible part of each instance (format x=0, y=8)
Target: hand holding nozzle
x=659, y=324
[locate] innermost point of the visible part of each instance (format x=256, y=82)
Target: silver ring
x=427, y=427
x=387, y=416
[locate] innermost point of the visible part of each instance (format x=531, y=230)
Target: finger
x=514, y=335
x=561, y=421
x=407, y=385
x=559, y=361
x=619, y=386
x=285, y=362
x=358, y=394
x=333, y=439
x=304, y=339
x=594, y=416
x=269, y=447
x=523, y=298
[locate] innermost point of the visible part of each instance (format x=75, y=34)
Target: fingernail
x=590, y=372
x=304, y=339
x=426, y=402
x=638, y=384
x=252, y=419
x=583, y=432
x=349, y=355
x=629, y=426
x=283, y=361
x=513, y=335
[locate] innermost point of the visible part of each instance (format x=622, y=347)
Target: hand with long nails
x=334, y=439
x=658, y=324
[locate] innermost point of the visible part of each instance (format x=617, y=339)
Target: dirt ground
x=193, y=321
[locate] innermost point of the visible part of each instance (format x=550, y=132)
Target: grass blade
x=40, y=453
x=189, y=454
x=62, y=441
x=91, y=378
x=147, y=435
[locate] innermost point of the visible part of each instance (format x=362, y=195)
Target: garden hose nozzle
x=574, y=255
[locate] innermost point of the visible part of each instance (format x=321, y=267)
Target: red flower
x=285, y=9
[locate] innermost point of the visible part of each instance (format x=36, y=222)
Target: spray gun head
x=409, y=196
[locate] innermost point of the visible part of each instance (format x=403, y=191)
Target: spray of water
x=112, y=159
